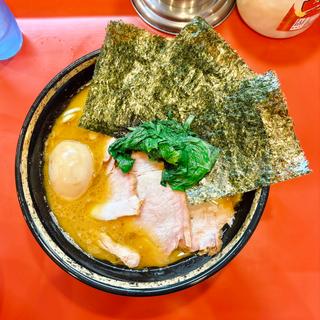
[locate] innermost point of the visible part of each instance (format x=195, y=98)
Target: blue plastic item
x=10, y=35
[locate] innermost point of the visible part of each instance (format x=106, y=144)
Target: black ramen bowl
x=100, y=274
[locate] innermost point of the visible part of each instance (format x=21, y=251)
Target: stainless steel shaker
x=171, y=15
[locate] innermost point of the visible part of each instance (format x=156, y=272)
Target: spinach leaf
x=187, y=158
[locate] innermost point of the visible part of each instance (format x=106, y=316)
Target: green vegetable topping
x=187, y=158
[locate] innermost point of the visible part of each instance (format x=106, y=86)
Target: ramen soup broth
x=74, y=215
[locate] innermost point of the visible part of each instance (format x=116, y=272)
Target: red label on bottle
x=300, y=15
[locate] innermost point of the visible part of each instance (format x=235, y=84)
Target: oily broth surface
x=74, y=215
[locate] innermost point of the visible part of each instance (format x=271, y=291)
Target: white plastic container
x=279, y=18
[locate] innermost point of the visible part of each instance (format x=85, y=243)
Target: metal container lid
x=171, y=15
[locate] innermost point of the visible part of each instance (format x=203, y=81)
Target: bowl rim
x=257, y=208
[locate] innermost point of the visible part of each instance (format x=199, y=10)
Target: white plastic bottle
x=279, y=18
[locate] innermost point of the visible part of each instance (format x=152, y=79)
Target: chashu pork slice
x=160, y=211
x=207, y=221
x=128, y=256
x=123, y=200
x=164, y=213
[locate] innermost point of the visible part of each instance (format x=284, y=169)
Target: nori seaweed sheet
x=256, y=138
x=142, y=77
x=123, y=70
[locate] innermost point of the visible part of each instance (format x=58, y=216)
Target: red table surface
x=276, y=276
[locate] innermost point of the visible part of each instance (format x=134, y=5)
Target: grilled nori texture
x=122, y=74
x=141, y=77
